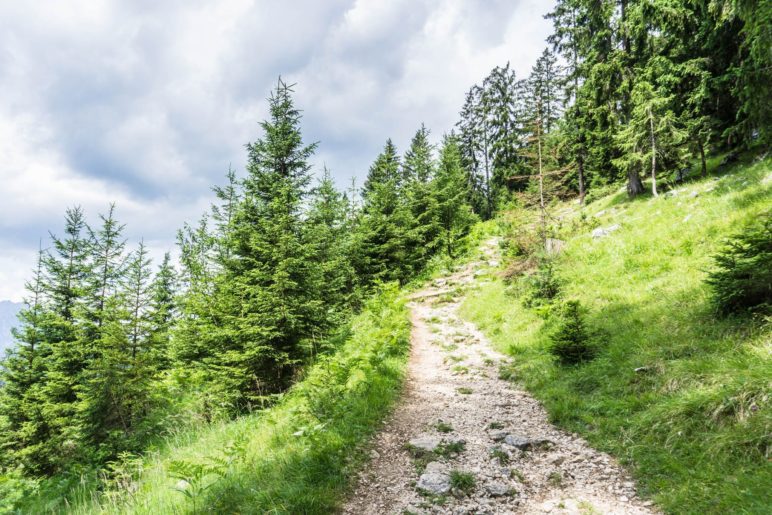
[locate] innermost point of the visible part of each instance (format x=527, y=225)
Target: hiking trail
x=463, y=441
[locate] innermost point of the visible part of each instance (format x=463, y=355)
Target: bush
x=570, y=342
x=543, y=285
x=742, y=278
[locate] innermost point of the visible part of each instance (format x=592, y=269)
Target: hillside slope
x=295, y=457
x=680, y=396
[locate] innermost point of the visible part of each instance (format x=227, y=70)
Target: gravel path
x=464, y=441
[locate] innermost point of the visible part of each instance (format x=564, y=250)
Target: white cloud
x=146, y=103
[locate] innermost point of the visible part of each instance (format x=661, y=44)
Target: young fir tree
x=67, y=268
x=223, y=214
x=163, y=312
x=386, y=168
x=328, y=229
x=455, y=216
x=384, y=238
x=418, y=170
x=23, y=428
x=102, y=420
x=193, y=339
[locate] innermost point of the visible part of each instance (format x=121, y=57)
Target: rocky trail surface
x=464, y=441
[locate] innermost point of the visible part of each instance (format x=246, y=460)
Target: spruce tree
x=386, y=168
x=652, y=137
x=384, y=237
x=23, y=428
x=418, y=170
x=455, y=216
x=162, y=312
x=328, y=229
x=265, y=306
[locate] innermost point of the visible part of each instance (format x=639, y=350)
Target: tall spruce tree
x=455, y=215
x=265, y=305
x=418, y=170
x=384, y=237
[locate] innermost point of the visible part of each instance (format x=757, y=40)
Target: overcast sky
x=146, y=103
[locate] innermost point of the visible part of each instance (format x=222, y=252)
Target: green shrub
x=543, y=285
x=570, y=342
x=742, y=278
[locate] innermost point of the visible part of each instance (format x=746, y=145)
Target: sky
x=147, y=104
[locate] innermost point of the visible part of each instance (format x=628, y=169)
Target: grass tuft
x=462, y=482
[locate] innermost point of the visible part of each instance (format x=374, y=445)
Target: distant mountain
x=8, y=312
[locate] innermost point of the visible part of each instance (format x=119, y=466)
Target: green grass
x=443, y=427
x=694, y=424
x=463, y=482
x=500, y=455
x=297, y=457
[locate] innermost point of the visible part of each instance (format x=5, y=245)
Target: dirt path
x=478, y=425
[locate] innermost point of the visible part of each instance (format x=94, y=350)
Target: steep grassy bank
x=297, y=457
x=693, y=422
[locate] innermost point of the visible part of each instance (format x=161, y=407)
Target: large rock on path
x=435, y=480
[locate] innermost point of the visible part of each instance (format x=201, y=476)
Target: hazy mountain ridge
x=8, y=320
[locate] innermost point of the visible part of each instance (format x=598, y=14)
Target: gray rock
x=498, y=489
x=601, y=232
x=435, y=480
x=425, y=443
x=523, y=443
x=498, y=436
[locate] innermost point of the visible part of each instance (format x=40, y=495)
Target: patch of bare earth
x=494, y=450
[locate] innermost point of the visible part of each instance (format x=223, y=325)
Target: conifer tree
x=386, y=168
x=23, y=428
x=652, y=136
x=474, y=154
x=329, y=231
x=384, y=236
x=103, y=415
x=69, y=268
x=265, y=304
x=163, y=312
x=500, y=99
x=569, y=36
x=455, y=216
x=418, y=170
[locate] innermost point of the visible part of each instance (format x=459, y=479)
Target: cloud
x=147, y=103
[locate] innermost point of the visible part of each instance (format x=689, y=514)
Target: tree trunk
x=541, y=186
x=580, y=173
x=653, y=155
x=701, y=148
x=634, y=184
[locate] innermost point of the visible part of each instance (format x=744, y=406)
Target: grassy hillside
x=294, y=458
x=693, y=423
